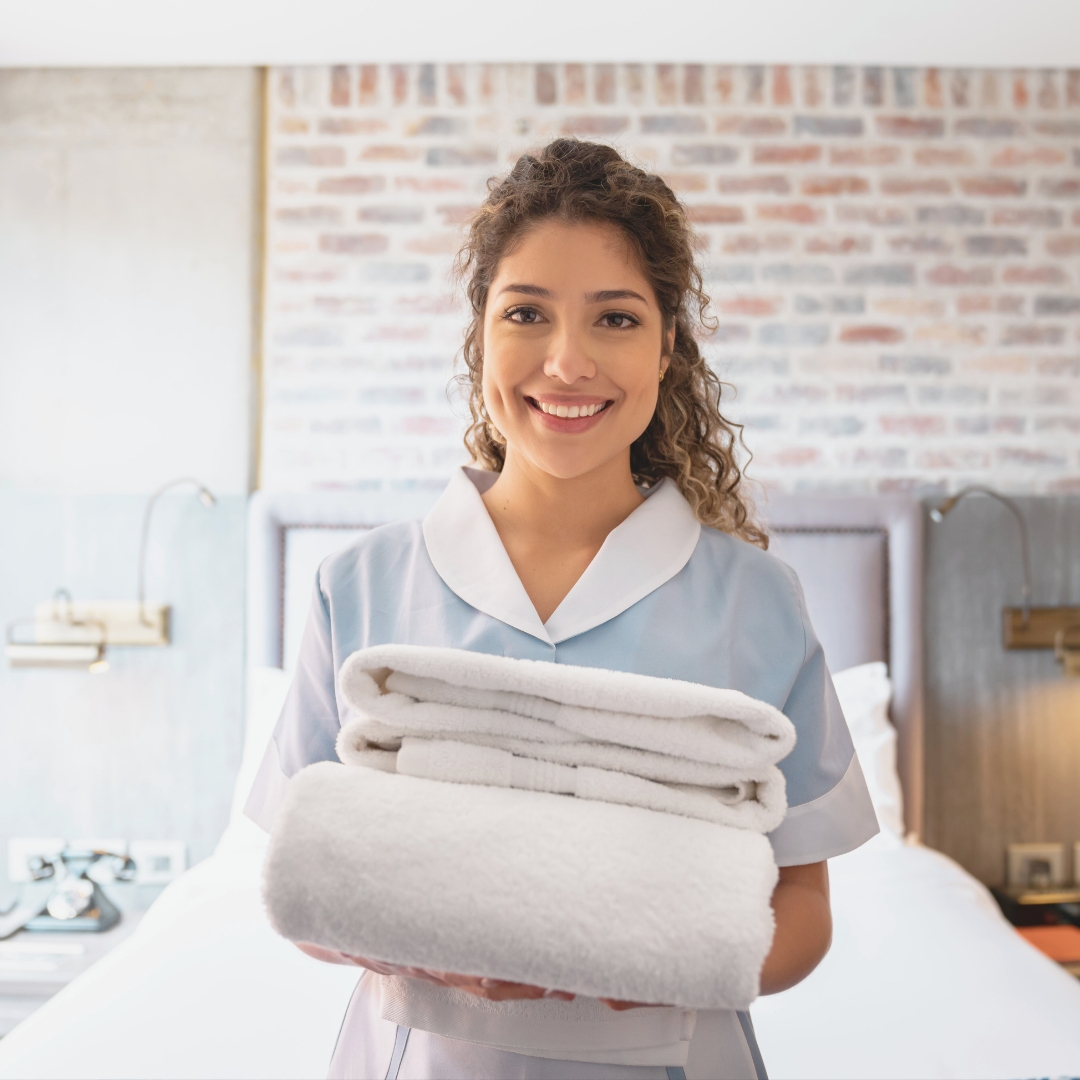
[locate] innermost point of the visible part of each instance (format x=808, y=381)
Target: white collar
x=650, y=547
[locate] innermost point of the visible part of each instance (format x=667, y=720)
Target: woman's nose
x=568, y=359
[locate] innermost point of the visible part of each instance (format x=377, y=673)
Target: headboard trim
x=901, y=519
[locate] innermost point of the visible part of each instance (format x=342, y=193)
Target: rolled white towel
x=574, y=894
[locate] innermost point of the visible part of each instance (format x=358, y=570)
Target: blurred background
x=225, y=245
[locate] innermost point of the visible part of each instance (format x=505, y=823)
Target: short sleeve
x=829, y=807
x=309, y=723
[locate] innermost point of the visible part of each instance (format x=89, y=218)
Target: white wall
x=973, y=33
x=127, y=201
x=128, y=206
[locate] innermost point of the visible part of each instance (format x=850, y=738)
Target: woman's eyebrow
x=528, y=290
x=605, y=295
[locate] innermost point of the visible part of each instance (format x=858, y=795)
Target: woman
x=604, y=527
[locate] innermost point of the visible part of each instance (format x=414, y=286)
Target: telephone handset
x=77, y=901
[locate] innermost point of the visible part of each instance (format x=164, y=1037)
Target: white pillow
x=266, y=691
x=864, y=693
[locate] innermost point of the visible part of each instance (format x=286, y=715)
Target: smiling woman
x=575, y=349
x=571, y=358
x=604, y=529
x=615, y=249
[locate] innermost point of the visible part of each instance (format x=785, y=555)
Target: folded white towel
x=734, y=800
x=665, y=745
x=574, y=894
x=564, y=702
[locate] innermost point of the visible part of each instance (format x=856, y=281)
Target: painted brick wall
x=893, y=255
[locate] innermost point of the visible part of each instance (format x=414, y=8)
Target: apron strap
x=401, y=1040
x=747, y=1026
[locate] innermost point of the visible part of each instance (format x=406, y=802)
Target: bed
x=925, y=978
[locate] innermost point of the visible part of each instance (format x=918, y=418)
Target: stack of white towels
x=585, y=830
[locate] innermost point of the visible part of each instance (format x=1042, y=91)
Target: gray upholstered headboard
x=859, y=559
x=860, y=563
x=288, y=536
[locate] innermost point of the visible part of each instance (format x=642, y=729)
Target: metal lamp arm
x=939, y=512
x=206, y=497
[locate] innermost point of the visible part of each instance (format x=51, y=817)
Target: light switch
x=157, y=862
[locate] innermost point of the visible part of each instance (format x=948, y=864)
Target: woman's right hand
x=491, y=989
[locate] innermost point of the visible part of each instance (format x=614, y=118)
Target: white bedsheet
x=203, y=988
x=925, y=979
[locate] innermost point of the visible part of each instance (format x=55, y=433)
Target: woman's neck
x=553, y=527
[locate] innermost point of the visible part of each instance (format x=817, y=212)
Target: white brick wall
x=892, y=255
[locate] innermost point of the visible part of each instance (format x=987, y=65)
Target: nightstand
x=1035, y=907
x=1048, y=918
x=34, y=966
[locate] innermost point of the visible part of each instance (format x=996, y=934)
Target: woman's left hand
x=492, y=989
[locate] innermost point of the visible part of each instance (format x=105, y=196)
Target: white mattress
x=925, y=979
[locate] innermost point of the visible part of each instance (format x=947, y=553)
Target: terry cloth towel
x=588, y=897
x=675, y=747
x=487, y=875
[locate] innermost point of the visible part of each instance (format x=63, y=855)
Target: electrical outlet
x=1036, y=866
x=157, y=862
x=21, y=850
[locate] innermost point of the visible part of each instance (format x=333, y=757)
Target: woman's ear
x=669, y=346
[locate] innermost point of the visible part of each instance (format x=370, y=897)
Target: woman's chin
x=566, y=463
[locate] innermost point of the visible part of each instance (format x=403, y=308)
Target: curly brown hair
x=687, y=439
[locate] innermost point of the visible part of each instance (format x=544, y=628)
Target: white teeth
x=569, y=412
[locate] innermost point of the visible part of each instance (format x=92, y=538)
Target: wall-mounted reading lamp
x=158, y=614
x=58, y=638
x=1028, y=627
x=64, y=633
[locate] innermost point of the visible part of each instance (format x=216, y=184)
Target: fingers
x=502, y=990
x=327, y=956
x=479, y=986
x=382, y=968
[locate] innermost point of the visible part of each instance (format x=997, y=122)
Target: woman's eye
x=617, y=321
x=525, y=315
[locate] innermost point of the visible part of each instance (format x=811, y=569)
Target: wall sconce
x=158, y=614
x=1067, y=650
x=73, y=634
x=58, y=640
x=1028, y=627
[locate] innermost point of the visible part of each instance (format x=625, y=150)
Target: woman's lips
x=556, y=415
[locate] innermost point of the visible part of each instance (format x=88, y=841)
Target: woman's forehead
x=565, y=251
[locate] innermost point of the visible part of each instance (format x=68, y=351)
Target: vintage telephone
x=77, y=901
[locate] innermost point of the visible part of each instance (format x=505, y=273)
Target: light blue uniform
x=664, y=596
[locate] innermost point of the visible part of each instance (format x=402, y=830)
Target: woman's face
x=574, y=344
